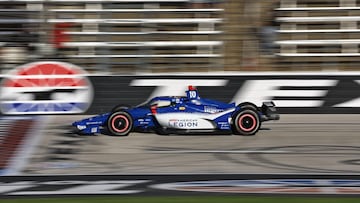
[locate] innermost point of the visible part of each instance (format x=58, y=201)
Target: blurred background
x=118, y=40
x=131, y=36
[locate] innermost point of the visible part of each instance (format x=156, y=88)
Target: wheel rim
x=247, y=122
x=120, y=123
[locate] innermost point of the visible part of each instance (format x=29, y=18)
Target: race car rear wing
x=269, y=111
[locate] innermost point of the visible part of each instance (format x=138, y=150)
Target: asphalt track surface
x=297, y=144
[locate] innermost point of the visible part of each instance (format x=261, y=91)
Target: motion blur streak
x=14, y=133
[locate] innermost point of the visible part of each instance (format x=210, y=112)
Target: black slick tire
x=119, y=123
x=246, y=122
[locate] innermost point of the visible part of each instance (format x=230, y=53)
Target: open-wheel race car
x=180, y=115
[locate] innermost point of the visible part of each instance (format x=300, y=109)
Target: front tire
x=120, y=123
x=246, y=122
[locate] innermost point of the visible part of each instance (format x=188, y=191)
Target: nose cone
x=76, y=123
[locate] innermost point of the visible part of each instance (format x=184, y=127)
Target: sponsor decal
x=211, y=109
x=183, y=123
x=276, y=186
x=224, y=125
x=46, y=87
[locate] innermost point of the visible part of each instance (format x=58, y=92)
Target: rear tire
x=120, y=107
x=246, y=122
x=119, y=123
x=248, y=105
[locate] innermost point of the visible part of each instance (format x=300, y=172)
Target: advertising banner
x=74, y=93
x=297, y=94
x=46, y=87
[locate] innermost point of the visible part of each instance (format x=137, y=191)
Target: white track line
x=218, y=151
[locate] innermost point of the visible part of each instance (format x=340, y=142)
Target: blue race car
x=180, y=115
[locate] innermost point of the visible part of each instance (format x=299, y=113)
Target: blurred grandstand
x=130, y=36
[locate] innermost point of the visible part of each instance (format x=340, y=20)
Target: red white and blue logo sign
x=46, y=87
